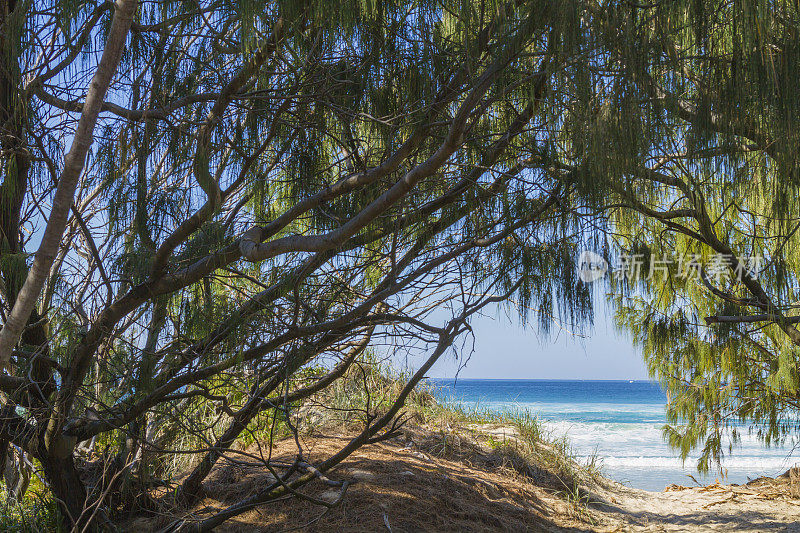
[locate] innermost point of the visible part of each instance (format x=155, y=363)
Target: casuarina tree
x=201, y=201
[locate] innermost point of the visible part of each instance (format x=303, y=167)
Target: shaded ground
x=762, y=505
x=400, y=486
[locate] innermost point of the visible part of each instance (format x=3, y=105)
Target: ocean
x=620, y=422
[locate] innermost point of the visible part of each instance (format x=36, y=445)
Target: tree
x=256, y=191
x=268, y=187
x=695, y=125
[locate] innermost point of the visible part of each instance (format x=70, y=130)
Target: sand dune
x=407, y=484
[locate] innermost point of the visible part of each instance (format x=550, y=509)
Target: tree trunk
x=67, y=488
x=191, y=489
x=17, y=474
x=68, y=182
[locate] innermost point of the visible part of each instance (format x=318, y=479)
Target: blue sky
x=503, y=349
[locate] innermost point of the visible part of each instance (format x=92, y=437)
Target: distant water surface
x=619, y=421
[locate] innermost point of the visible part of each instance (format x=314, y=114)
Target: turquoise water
x=619, y=421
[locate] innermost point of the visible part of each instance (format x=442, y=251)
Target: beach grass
x=514, y=438
x=511, y=440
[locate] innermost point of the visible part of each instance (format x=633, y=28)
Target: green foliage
x=657, y=129
x=36, y=512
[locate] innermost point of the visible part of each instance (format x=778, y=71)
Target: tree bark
x=68, y=182
x=67, y=487
x=54, y=452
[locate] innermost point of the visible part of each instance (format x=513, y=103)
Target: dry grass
x=451, y=469
x=400, y=482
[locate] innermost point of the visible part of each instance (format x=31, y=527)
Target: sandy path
x=762, y=505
